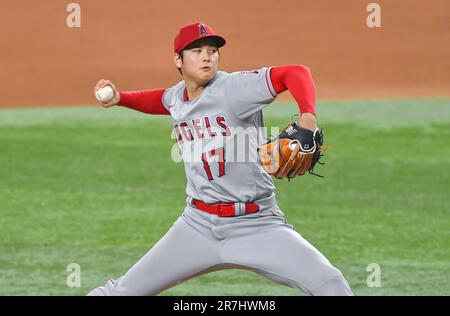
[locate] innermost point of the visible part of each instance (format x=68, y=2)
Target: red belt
x=226, y=209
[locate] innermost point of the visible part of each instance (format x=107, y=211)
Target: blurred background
x=44, y=62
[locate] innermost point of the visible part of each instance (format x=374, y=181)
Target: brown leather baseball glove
x=293, y=152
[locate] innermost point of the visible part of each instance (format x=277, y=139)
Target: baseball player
x=231, y=218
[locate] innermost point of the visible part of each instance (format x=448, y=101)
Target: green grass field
x=97, y=187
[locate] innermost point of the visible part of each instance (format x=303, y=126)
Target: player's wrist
x=118, y=97
x=307, y=120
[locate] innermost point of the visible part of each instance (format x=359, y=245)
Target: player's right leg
x=181, y=253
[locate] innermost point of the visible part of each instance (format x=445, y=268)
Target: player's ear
x=178, y=60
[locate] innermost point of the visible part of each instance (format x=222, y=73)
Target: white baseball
x=104, y=94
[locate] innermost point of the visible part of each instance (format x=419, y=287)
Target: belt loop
x=239, y=209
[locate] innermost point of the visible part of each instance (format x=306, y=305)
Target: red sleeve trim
x=268, y=84
x=146, y=101
x=298, y=80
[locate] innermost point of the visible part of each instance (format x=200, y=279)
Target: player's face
x=200, y=63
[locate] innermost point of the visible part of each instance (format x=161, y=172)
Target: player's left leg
x=284, y=256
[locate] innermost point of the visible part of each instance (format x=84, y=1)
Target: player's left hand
x=295, y=151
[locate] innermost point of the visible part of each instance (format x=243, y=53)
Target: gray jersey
x=219, y=133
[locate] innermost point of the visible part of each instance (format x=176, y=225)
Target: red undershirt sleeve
x=147, y=101
x=298, y=80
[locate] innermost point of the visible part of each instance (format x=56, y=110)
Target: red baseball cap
x=189, y=33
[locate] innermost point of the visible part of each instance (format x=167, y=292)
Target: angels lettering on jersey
x=200, y=128
x=200, y=138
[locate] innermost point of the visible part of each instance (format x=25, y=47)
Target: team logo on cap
x=202, y=30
